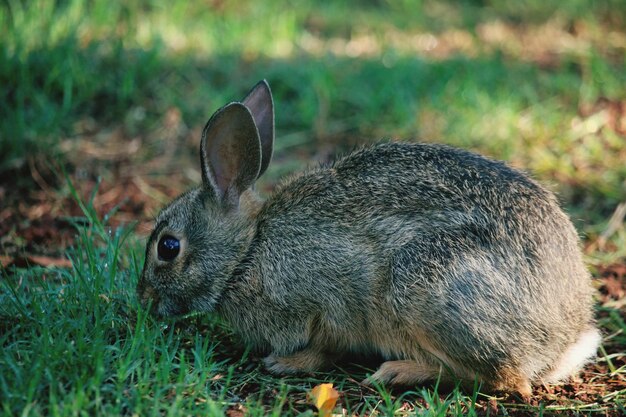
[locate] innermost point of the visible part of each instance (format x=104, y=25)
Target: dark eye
x=168, y=248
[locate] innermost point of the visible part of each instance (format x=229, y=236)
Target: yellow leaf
x=324, y=397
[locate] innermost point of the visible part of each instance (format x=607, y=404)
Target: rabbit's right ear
x=230, y=154
x=261, y=104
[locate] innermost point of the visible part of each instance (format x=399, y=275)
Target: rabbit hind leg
x=410, y=372
x=512, y=380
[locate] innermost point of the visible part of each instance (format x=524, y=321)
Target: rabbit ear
x=230, y=153
x=260, y=103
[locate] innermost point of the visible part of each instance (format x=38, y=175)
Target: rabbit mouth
x=163, y=307
x=168, y=307
x=148, y=297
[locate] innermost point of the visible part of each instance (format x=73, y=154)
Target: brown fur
x=434, y=257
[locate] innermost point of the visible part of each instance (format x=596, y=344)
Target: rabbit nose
x=147, y=294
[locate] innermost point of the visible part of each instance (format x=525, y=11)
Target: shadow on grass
x=498, y=105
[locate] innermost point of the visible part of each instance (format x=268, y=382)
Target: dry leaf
x=5, y=261
x=47, y=261
x=324, y=397
x=236, y=411
x=30, y=260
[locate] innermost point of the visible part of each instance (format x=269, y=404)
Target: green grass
x=71, y=69
x=522, y=81
x=76, y=342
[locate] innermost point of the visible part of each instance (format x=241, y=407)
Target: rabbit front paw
x=302, y=361
x=403, y=373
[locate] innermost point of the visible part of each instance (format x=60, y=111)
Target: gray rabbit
x=444, y=262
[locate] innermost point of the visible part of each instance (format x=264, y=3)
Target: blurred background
x=113, y=96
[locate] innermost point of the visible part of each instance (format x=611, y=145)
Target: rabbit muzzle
x=159, y=306
x=148, y=297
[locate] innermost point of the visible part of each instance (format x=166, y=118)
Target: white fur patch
x=578, y=354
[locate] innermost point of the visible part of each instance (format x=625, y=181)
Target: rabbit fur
x=444, y=262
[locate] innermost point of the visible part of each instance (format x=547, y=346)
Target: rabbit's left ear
x=230, y=154
x=260, y=103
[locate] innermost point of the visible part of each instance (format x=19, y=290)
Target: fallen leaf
x=324, y=397
x=48, y=261
x=236, y=411
x=613, y=280
x=32, y=260
x=5, y=261
x=615, y=287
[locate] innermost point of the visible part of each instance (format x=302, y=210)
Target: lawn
x=101, y=109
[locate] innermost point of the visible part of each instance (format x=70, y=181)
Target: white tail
x=577, y=355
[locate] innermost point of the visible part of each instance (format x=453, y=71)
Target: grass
x=76, y=342
x=537, y=83
x=463, y=75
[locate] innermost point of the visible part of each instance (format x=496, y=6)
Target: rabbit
x=442, y=261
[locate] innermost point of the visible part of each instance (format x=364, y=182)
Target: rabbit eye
x=168, y=248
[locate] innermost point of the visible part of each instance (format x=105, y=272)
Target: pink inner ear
x=222, y=184
x=223, y=165
x=260, y=104
x=231, y=152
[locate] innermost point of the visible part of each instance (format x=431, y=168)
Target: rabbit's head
x=198, y=239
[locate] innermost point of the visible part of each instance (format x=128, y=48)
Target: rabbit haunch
x=443, y=261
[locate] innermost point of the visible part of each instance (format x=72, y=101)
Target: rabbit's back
x=396, y=179
x=393, y=193
x=472, y=253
